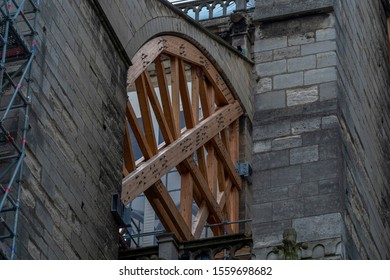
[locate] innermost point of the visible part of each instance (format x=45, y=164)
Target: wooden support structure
x=173, y=79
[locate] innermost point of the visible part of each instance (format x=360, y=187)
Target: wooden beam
x=172, y=212
x=186, y=195
x=175, y=86
x=200, y=220
x=158, y=112
x=144, y=57
x=186, y=51
x=185, y=97
x=204, y=189
x=137, y=131
x=195, y=72
x=225, y=158
x=146, y=116
x=146, y=175
x=164, y=93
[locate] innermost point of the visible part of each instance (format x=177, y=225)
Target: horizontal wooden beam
x=166, y=159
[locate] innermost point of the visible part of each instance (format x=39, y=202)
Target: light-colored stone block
x=262, y=146
x=264, y=85
x=301, y=96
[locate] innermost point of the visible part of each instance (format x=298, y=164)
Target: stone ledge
x=267, y=10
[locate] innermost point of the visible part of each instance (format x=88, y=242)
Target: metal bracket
x=244, y=169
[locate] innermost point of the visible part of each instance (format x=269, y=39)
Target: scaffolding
x=18, y=20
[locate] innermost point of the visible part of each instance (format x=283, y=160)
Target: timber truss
x=172, y=77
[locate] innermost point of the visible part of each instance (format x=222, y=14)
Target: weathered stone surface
x=330, y=122
x=270, y=160
x=306, y=125
x=288, y=52
x=270, y=100
x=264, y=85
x=262, y=146
x=318, y=227
x=271, y=68
x=301, y=63
x=318, y=47
x=286, y=142
x=301, y=39
x=271, y=131
x=267, y=10
x=322, y=75
x=288, y=209
x=320, y=170
x=304, y=154
x=301, y=96
x=326, y=59
x=326, y=34
x=288, y=80
x=286, y=176
x=328, y=91
x=270, y=44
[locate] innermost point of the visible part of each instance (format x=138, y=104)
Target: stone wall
x=364, y=81
x=74, y=148
x=297, y=146
x=321, y=127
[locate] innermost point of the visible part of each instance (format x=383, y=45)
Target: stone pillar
x=297, y=161
x=167, y=246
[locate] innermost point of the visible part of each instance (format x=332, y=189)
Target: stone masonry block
x=288, y=52
x=302, y=96
x=328, y=91
x=319, y=47
x=264, y=85
x=270, y=100
x=263, y=57
x=322, y=75
x=330, y=122
x=301, y=39
x=321, y=170
x=262, y=146
x=262, y=212
x=288, y=209
x=319, y=227
x=272, y=130
x=288, y=80
x=326, y=59
x=261, y=180
x=329, y=136
x=286, y=176
x=270, y=160
x=272, y=194
x=329, y=186
x=270, y=44
x=271, y=68
x=286, y=142
x=329, y=151
x=304, y=154
x=301, y=63
x=306, y=125
x=326, y=34
x=322, y=204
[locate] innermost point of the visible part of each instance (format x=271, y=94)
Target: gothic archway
x=181, y=115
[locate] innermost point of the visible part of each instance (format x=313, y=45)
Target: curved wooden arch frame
x=212, y=181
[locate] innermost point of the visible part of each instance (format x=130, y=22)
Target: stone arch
x=170, y=76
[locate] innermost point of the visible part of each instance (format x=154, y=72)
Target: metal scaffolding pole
x=18, y=21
